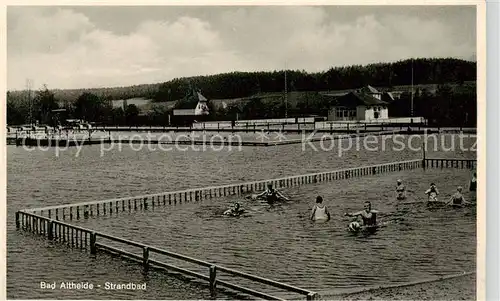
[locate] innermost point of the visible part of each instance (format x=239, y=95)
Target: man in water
x=319, y=212
x=271, y=195
x=457, y=199
x=432, y=193
x=368, y=215
x=473, y=183
x=400, y=190
x=234, y=211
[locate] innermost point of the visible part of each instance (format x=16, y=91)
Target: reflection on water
x=277, y=242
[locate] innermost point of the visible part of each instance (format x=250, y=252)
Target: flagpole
x=411, y=109
x=286, y=95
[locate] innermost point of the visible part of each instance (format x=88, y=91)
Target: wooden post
x=213, y=280
x=145, y=203
x=423, y=160
x=311, y=296
x=17, y=220
x=145, y=257
x=50, y=233
x=93, y=248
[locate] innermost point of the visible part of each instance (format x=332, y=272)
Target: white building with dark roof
x=364, y=104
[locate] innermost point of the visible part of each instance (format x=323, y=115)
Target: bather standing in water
x=319, y=212
x=400, y=190
x=432, y=193
x=368, y=215
x=457, y=199
x=473, y=183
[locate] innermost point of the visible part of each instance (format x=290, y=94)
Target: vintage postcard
x=329, y=151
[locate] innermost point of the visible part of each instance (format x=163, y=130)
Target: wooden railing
x=453, y=163
x=83, y=238
x=54, y=230
x=110, y=206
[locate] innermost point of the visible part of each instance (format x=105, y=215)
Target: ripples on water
x=279, y=243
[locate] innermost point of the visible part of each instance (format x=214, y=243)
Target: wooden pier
x=46, y=221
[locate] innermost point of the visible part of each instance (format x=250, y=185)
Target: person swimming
x=236, y=210
x=400, y=190
x=271, y=195
x=319, y=212
x=432, y=193
x=368, y=215
x=457, y=199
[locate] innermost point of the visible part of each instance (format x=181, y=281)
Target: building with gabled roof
x=187, y=112
x=363, y=105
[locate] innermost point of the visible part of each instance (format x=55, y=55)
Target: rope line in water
x=389, y=286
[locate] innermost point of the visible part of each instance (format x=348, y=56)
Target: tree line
x=453, y=99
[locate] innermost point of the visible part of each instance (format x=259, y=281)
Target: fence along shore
x=46, y=220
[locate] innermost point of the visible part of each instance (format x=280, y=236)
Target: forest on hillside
x=242, y=84
x=94, y=104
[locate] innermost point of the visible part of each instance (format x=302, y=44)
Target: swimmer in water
x=235, y=210
x=319, y=212
x=400, y=190
x=432, y=193
x=368, y=215
x=457, y=199
x=271, y=195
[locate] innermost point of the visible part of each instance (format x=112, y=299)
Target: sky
x=94, y=46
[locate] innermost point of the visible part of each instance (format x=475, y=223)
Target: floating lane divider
x=78, y=237
x=114, y=206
